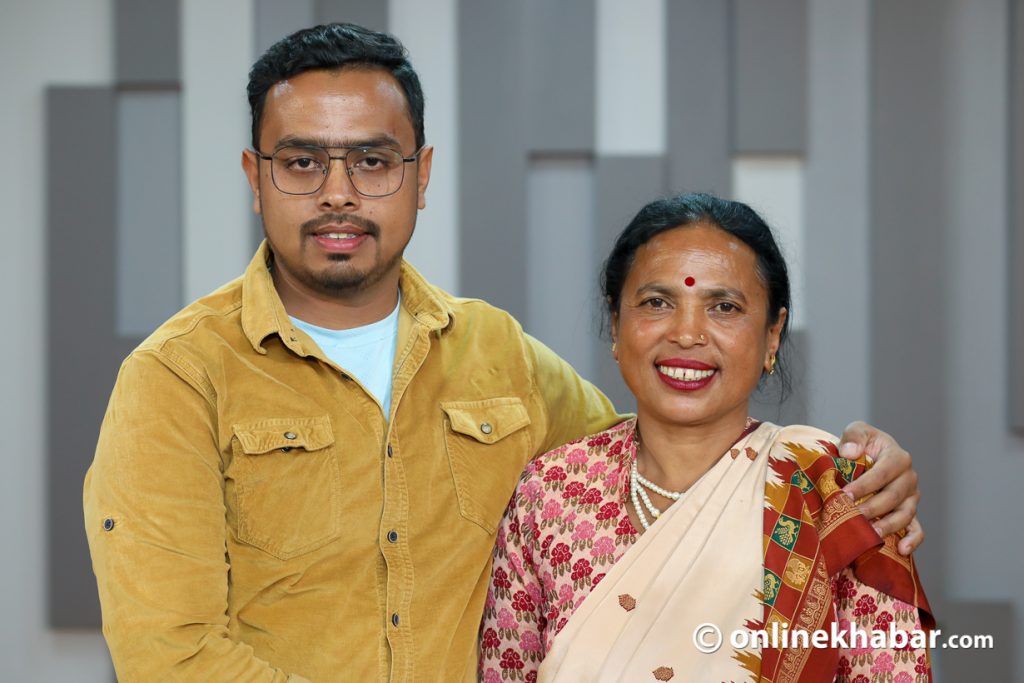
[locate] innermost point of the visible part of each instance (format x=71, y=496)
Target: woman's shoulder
x=809, y=457
x=579, y=454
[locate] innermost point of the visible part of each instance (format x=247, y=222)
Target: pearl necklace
x=638, y=485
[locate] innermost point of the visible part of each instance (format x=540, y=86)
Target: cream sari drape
x=700, y=562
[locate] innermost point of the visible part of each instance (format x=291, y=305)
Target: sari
x=760, y=541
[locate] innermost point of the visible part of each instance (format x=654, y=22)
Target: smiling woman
x=606, y=555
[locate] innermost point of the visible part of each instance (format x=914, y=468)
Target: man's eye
x=726, y=307
x=373, y=162
x=304, y=164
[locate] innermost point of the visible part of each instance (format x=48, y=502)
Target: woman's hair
x=735, y=218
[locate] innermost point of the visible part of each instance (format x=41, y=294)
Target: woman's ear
x=775, y=332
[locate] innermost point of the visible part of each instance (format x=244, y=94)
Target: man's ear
x=251, y=167
x=426, y=159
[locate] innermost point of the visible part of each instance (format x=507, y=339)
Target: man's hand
x=892, y=481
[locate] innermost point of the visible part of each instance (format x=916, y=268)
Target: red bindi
x=690, y=282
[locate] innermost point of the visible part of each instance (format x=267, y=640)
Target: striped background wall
x=842, y=121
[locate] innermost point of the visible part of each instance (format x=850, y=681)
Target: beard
x=342, y=278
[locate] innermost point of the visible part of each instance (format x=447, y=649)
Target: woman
x=616, y=548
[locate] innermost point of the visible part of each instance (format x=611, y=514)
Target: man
x=299, y=476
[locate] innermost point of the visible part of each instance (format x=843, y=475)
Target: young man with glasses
x=299, y=476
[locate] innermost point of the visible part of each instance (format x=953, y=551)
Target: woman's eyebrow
x=724, y=293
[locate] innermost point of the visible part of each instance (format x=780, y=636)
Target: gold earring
x=771, y=365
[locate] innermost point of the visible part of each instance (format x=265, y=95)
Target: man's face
x=336, y=242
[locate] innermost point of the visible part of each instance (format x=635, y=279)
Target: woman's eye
x=654, y=302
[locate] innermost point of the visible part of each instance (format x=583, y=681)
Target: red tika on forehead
x=690, y=282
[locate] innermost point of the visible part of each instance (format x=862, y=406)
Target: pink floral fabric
x=567, y=525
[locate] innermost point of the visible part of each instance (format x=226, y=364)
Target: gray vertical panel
x=1017, y=220
x=908, y=126
x=492, y=153
x=560, y=88
x=372, y=14
x=770, y=82
x=84, y=353
x=275, y=19
x=149, y=237
x=699, y=107
x=621, y=186
x=561, y=279
x=769, y=402
x=147, y=34
x=837, y=206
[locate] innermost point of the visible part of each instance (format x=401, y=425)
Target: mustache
x=365, y=224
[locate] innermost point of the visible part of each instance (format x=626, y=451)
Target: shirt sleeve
x=574, y=406
x=155, y=521
x=513, y=623
x=860, y=607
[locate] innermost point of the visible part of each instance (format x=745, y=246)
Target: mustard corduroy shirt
x=252, y=516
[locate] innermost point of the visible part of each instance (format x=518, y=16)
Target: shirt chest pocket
x=284, y=485
x=488, y=446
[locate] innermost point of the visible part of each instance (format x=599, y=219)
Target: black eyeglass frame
x=343, y=158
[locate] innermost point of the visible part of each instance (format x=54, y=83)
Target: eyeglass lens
x=374, y=171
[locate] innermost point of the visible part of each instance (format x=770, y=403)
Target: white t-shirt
x=366, y=353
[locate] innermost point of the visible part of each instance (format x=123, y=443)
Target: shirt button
x=394, y=619
x=486, y=428
x=393, y=536
x=289, y=435
x=108, y=524
x=389, y=450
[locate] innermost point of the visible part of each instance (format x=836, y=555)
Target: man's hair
x=332, y=47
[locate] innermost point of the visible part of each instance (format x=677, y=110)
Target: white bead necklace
x=637, y=490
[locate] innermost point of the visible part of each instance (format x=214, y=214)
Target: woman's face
x=685, y=283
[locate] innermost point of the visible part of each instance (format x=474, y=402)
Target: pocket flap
x=489, y=420
x=307, y=433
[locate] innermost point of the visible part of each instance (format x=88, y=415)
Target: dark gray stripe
x=1017, y=219
x=372, y=14
x=560, y=88
x=273, y=20
x=770, y=78
x=908, y=249
x=147, y=36
x=699, y=107
x=84, y=352
x=492, y=153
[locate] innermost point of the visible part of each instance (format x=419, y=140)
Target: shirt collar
x=263, y=313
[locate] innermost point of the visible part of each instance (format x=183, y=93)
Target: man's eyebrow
x=383, y=140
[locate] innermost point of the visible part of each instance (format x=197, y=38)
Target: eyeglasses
x=303, y=169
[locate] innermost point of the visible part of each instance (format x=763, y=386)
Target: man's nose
x=338, y=190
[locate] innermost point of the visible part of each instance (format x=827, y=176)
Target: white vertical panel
x=83, y=31
x=838, y=205
x=631, y=81
x=216, y=53
x=561, y=286
x=774, y=187
x=428, y=30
